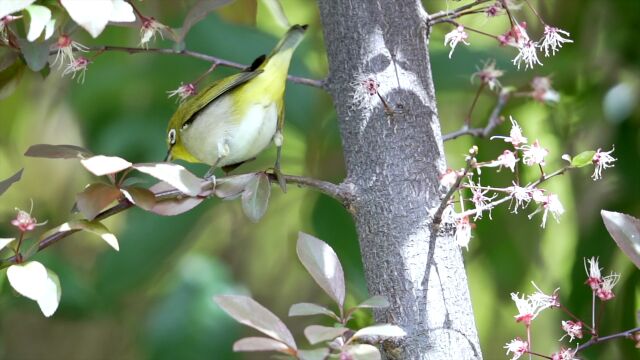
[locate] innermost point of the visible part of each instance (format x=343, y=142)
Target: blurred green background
x=152, y=300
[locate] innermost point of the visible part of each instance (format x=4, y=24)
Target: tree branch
x=595, y=340
x=196, y=55
x=494, y=120
x=340, y=192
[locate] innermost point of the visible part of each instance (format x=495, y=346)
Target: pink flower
x=65, y=48
x=573, y=330
x=605, y=291
x=527, y=53
x=454, y=37
x=544, y=301
x=365, y=90
x=78, y=65
x=564, y=354
x=480, y=201
x=533, y=154
x=517, y=347
x=521, y=196
x=553, y=39
x=463, y=232
x=24, y=221
x=508, y=159
x=494, y=10
x=527, y=310
x=515, y=135
x=542, y=90
x=548, y=204
x=489, y=75
x=516, y=36
x=183, y=92
x=602, y=160
x=594, y=277
x=150, y=27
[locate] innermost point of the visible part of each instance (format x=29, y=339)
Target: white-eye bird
x=235, y=118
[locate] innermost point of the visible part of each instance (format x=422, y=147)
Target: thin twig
x=494, y=120
x=340, y=192
x=595, y=340
x=507, y=198
x=455, y=12
x=196, y=55
x=437, y=216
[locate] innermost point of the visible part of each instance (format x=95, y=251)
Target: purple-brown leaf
x=319, y=333
x=247, y=311
x=625, y=230
x=230, y=187
x=308, y=309
x=94, y=198
x=6, y=183
x=376, y=301
x=57, y=151
x=255, y=198
x=173, y=206
x=259, y=344
x=323, y=265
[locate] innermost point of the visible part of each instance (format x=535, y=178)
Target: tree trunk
x=394, y=156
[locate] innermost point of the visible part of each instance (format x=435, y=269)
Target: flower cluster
x=529, y=308
x=602, y=286
x=519, y=196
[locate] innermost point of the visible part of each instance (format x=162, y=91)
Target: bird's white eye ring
x=172, y=136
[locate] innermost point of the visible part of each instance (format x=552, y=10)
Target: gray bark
x=393, y=162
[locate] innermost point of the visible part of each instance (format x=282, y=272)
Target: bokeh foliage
x=153, y=298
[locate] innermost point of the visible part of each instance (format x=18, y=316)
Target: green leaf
x=625, y=230
x=140, y=197
x=583, y=159
x=94, y=227
x=94, y=198
x=255, y=197
x=6, y=183
x=36, y=54
x=57, y=151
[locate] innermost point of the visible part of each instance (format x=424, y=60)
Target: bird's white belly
x=212, y=133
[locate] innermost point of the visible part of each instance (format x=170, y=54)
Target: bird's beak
x=168, y=157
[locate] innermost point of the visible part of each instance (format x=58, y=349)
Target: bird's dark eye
x=172, y=136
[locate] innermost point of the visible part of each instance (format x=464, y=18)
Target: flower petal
x=40, y=17
x=93, y=16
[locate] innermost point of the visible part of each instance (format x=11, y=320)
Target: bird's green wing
x=191, y=107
